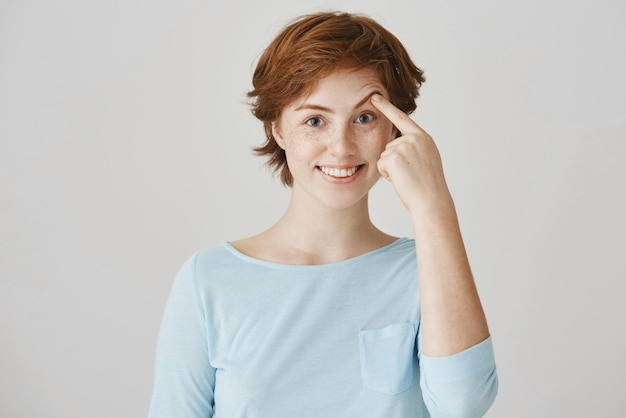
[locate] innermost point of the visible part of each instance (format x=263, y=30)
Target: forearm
x=452, y=315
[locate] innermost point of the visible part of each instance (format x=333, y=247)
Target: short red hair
x=309, y=49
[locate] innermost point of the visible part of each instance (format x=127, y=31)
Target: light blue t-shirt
x=242, y=337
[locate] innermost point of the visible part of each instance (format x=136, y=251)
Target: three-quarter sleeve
x=184, y=379
x=461, y=385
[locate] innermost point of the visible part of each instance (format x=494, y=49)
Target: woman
x=323, y=314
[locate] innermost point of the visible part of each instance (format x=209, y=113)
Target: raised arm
x=452, y=315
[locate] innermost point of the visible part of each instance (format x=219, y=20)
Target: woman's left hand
x=411, y=162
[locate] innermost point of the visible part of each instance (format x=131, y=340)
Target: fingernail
x=376, y=97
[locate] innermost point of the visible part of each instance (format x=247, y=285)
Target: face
x=333, y=138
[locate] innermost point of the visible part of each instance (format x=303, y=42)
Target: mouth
x=340, y=172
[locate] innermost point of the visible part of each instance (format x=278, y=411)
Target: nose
x=342, y=142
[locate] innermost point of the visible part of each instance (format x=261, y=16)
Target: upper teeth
x=339, y=172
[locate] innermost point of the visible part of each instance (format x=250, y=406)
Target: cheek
x=389, y=130
x=379, y=137
x=304, y=136
x=299, y=144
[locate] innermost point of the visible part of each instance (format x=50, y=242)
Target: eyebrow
x=313, y=106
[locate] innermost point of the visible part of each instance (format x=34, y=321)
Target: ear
x=277, y=136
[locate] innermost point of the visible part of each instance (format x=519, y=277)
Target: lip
x=340, y=180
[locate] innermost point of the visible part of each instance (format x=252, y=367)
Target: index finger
x=401, y=120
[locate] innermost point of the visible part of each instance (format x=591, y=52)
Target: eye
x=314, y=121
x=365, y=118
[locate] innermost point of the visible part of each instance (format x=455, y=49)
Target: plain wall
x=125, y=147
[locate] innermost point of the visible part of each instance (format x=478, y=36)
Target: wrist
x=434, y=207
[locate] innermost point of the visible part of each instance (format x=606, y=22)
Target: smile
x=339, y=172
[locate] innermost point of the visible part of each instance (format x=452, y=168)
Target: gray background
x=125, y=147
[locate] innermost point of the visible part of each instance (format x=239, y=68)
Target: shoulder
x=251, y=246
x=207, y=261
x=217, y=256
x=223, y=265
x=401, y=248
x=397, y=256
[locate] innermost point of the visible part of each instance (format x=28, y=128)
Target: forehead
x=343, y=85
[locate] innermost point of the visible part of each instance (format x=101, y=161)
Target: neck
x=311, y=233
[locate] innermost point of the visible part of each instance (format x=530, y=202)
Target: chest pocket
x=388, y=358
